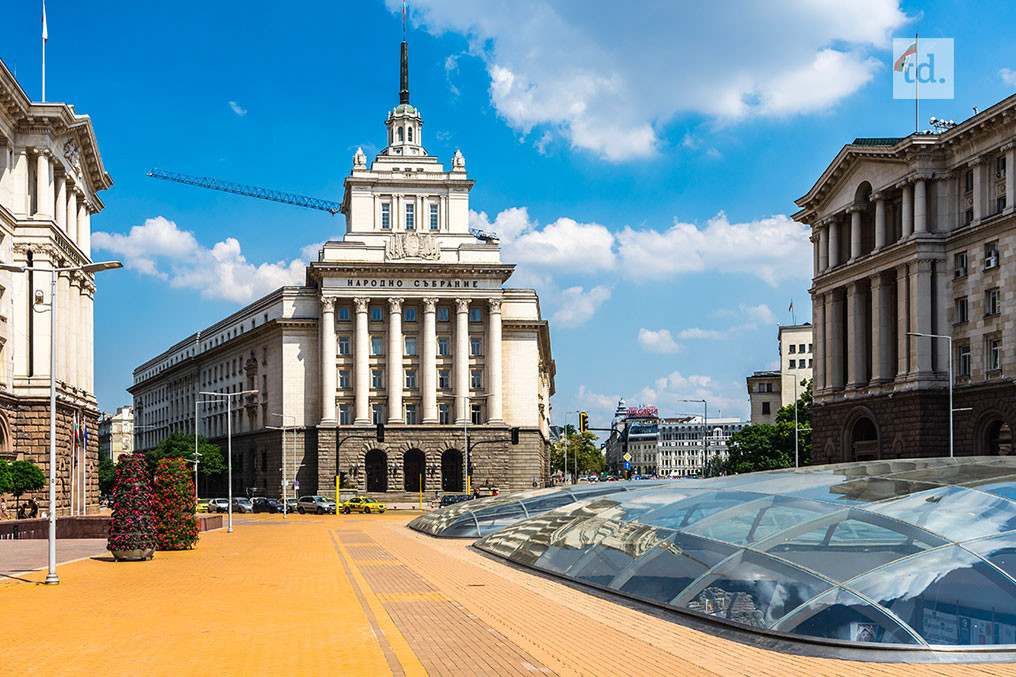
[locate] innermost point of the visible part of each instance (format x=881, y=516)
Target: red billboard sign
x=643, y=410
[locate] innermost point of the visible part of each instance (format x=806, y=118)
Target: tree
x=25, y=477
x=176, y=525
x=582, y=449
x=181, y=445
x=770, y=447
x=107, y=475
x=6, y=479
x=132, y=526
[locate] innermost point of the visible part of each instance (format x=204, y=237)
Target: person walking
x=4, y=515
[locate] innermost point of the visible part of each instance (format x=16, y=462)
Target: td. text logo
x=922, y=68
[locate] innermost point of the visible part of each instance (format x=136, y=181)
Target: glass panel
x=572, y=542
x=1003, y=486
x=948, y=596
x=955, y=513
x=751, y=589
x=849, y=542
x=542, y=504
x=462, y=527
x=622, y=543
x=666, y=570
x=633, y=504
x=687, y=511
x=498, y=517
x=544, y=530
x=863, y=490
x=961, y=473
x=839, y=614
x=755, y=520
x=999, y=550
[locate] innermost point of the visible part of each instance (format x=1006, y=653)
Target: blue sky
x=640, y=161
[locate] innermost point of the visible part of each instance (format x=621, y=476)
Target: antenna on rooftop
x=941, y=125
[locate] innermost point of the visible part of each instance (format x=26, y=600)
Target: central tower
x=405, y=126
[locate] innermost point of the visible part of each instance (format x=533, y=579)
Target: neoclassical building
x=916, y=235
x=405, y=321
x=50, y=177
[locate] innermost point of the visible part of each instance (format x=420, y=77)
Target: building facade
x=405, y=321
x=770, y=390
x=116, y=434
x=50, y=176
x=765, y=394
x=915, y=235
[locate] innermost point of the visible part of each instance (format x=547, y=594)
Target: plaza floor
x=342, y=595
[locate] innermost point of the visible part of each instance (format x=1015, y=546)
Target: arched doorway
x=376, y=465
x=998, y=439
x=864, y=440
x=414, y=467
x=451, y=470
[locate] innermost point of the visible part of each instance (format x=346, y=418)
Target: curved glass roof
x=482, y=516
x=919, y=553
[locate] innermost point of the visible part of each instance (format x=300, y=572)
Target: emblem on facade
x=72, y=152
x=412, y=246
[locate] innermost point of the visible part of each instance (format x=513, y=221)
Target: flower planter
x=133, y=555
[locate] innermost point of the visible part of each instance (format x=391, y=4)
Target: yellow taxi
x=202, y=505
x=364, y=504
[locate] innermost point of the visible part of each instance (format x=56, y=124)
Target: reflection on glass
x=999, y=550
x=750, y=522
x=956, y=513
x=839, y=614
x=463, y=526
x=948, y=596
x=689, y=510
x=621, y=544
x=572, y=542
x=665, y=571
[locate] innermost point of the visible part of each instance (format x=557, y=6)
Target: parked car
x=269, y=505
x=315, y=504
x=218, y=505
x=451, y=499
x=203, y=505
x=364, y=504
x=242, y=504
x=291, y=504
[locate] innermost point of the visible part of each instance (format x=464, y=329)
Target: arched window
x=400, y=134
x=410, y=132
x=451, y=470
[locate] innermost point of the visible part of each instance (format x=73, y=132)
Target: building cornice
x=318, y=270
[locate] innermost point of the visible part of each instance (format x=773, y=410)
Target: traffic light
x=380, y=432
x=583, y=422
x=515, y=435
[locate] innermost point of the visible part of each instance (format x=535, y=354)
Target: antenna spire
x=404, y=79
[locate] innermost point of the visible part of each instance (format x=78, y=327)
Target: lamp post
x=228, y=397
x=705, y=431
x=951, y=410
x=51, y=577
x=465, y=436
x=285, y=507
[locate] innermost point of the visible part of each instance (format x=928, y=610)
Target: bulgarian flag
x=45, y=32
x=904, y=60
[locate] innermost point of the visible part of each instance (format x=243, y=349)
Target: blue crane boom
x=250, y=191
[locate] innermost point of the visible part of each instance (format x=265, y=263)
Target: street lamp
x=951, y=410
x=465, y=434
x=705, y=432
x=51, y=577
x=285, y=507
x=229, y=440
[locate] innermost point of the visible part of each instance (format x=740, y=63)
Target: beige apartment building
x=771, y=389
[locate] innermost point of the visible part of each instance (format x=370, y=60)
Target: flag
x=45, y=32
x=403, y=12
x=904, y=61
x=791, y=306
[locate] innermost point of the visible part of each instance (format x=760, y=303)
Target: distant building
x=116, y=434
x=682, y=451
x=765, y=395
x=772, y=389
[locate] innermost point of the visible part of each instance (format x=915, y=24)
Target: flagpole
x=917, y=98
x=44, y=37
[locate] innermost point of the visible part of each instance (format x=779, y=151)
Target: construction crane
x=332, y=208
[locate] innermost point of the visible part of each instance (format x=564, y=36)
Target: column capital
x=1006, y=147
x=395, y=304
x=461, y=305
x=327, y=304
x=429, y=304
x=976, y=161
x=876, y=196
x=361, y=303
x=876, y=281
x=495, y=305
x=856, y=208
x=41, y=151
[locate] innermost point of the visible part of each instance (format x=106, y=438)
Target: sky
x=640, y=161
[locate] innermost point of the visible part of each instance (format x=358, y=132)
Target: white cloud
x=697, y=333
x=541, y=144
x=577, y=306
x=760, y=313
x=609, y=77
x=237, y=109
x=658, y=341
x=160, y=249
x=564, y=245
x=1008, y=76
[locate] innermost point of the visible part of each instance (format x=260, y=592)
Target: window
x=443, y=346
x=442, y=314
x=401, y=134
x=343, y=313
x=963, y=361
x=344, y=345
x=410, y=314
x=1000, y=204
x=809, y=347
x=475, y=346
x=411, y=379
x=410, y=217
x=444, y=414
x=800, y=348
x=476, y=378
x=809, y=363
x=410, y=345
x=376, y=314
x=992, y=299
x=409, y=134
x=960, y=264
x=377, y=345
x=410, y=414
x=991, y=255
x=377, y=413
x=476, y=414
x=968, y=181
x=994, y=354
x=444, y=380
x=345, y=415
x=377, y=379
x=386, y=216
x=474, y=315
x=433, y=217
x=793, y=364
x=344, y=379
x=1000, y=167
x=766, y=410
x=793, y=348
x=968, y=216
x=962, y=310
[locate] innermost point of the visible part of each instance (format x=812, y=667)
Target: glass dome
x=911, y=553
x=482, y=516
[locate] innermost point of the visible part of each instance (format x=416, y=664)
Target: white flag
x=45, y=33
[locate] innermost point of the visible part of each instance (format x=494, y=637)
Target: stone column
x=881, y=322
x=75, y=370
x=920, y=311
x=60, y=215
x=823, y=247
x=88, y=336
x=818, y=321
x=834, y=341
x=834, y=243
x=395, y=350
x=855, y=231
x=902, y=321
x=62, y=319
x=494, y=400
x=977, y=167
x=857, y=337
x=361, y=362
x=461, y=360
x=920, y=206
x=72, y=213
x=880, y=235
x=19, y=188
x=328, y=360
x=1010, y=175
x=84, y=229
x=907, y=211
x=429, y=365
x=43, y=184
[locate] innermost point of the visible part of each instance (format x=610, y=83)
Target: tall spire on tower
x=404, y=79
